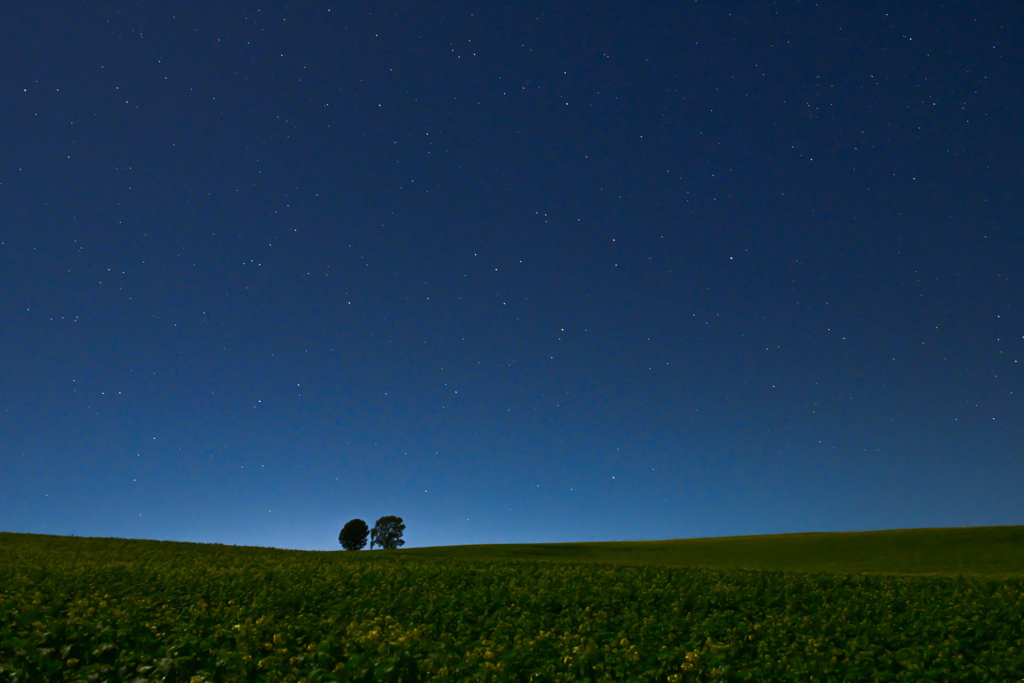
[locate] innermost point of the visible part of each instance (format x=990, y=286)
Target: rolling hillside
x=996, y=552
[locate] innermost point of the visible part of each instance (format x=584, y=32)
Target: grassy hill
x=852, y=607
x=996, y=552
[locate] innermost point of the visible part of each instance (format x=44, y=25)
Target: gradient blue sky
x=515, y=272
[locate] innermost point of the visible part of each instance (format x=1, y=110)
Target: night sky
x=512, y=271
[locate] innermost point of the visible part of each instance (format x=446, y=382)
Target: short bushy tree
x=353, y=535
x=387, y=533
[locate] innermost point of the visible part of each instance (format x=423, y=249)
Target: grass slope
x=995, y=552
x=82, y=610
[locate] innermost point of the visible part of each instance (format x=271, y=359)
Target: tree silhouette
x=353, y=535
x=387, y=533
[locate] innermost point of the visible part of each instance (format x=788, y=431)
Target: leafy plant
x=108, y=609
x=353, y=535
x=387, y=533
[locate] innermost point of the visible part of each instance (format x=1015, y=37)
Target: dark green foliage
x=81, y=610
x=995, y=552
x=353, y=535
x=387, y=533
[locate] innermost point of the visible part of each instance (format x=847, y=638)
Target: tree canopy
x=353, y=535
x=387, y=533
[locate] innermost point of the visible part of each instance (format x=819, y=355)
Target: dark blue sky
x=512, y=271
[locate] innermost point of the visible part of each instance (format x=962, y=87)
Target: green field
x=908, y=605
x=996, y=551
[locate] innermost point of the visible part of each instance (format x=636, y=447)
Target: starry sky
x=512, y=271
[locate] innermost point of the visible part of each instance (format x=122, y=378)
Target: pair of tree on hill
x=387, y=533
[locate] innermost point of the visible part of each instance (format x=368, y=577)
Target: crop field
x=993, y=552
x=82, y=609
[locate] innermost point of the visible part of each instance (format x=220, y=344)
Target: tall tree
x=387, y=533
x=353, y=535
